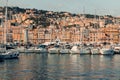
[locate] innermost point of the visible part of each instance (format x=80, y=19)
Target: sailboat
x=9, y=53
x=65, y=49
x=107, y=48
x=95, y=50
x=75, y=50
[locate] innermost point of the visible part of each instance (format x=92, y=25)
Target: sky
x=100, y=7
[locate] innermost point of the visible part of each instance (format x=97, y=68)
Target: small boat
x=117, y=49
x=106, y=51
x=2, y=48
x=30, y=50
x=65, y=49
x=21, y=49
x=95, y=51
x=75, y=50
x=41, y=49
x=54, y=50
x=85, y=50
x=10, y=54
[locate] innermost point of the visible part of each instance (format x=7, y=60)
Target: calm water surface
x=61, y=67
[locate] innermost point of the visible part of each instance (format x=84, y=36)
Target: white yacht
x=30, y=50
x=107, y=50
x=75, y=50
x=117, y=49
x=10, y=54
x=54, y=50
x=2, y=48
x=41, y=49
x=95, y=51
x=65, y=49
x=85, y=50
x=21, y=49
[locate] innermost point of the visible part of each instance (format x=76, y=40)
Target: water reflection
x=61, y=67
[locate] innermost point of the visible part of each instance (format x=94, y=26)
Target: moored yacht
x=30, y=50
x=55, y=49
x=107, y=50
x=2, y=48
x=117, y=49
x=41, y=49
x=85, y=50
x=10, y=54
x=65, y=49
x=75, y=50
x=95, y=51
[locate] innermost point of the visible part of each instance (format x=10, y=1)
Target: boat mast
x=5, y=25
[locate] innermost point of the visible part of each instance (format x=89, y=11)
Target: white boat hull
x=2, y=50
x=41, y=50
x=85, y=51
x=30, y=50
x=21, y=49
x=107, y=51
x=54, y=50
x=10, y=54
x=117, y=50
x=95, y=51
x=75, y=50
x=65, y=51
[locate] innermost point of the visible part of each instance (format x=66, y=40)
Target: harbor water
x=61, y=67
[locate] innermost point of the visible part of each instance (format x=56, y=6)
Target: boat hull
x=95, y=51
x=54, y=51
x=75, y=50
x=85, y=51
x=64, y=51
x=106, y=51
x=41, y=50
x=10, y=54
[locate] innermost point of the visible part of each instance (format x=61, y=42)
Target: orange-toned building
x=76, y=33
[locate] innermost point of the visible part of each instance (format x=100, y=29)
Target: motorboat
x=106, y=51
x=95, y=51
x=75, y=50
x=21, y=49
x=10, y=54
x=54, y=50
x=41, y=49
x=2, y=48
x=117, y=49
x=85, y=50
x=30, y=50
x=65, y=49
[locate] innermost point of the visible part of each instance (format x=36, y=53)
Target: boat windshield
x=56, y=46
x=41, y=46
